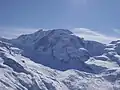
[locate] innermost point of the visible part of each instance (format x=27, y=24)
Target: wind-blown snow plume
x=89, y=34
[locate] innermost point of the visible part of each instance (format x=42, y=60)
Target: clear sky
x=99, y=15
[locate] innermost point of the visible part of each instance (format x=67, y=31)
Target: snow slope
x=20, y=73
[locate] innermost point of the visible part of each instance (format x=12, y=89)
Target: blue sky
x=97, y=15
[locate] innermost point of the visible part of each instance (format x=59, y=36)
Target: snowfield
x=58, y=60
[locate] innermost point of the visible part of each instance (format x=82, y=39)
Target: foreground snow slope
x=58, y=60
x=20, y=73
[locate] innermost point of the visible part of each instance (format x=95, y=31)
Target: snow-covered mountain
x=60, y=46
x=58, y=60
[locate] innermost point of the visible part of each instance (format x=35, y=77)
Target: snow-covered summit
x=58, y=47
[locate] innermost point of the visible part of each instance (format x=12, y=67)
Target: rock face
x=58, y=60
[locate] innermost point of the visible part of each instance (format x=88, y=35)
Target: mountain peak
x=62, y=31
